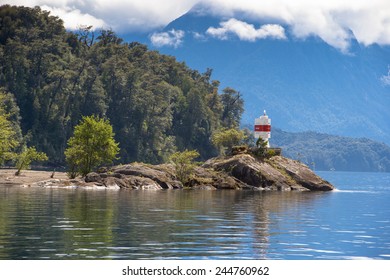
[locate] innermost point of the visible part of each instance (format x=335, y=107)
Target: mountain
x=330, y=152
x=303, y=84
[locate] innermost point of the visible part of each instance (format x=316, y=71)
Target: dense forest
x=50, y=78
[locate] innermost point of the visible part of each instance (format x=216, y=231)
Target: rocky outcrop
x=276, y=173
x=240, y=171
x=137, y=176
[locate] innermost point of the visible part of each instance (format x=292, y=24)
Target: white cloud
x=245, y=31
x=120, y=15
x=199, y=36
x=172, y=38
x=386, y=78
x=73, y=19
x=331, y=20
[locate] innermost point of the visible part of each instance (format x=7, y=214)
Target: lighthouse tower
x=263, y=128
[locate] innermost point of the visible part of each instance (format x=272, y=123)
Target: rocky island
x=241, y=171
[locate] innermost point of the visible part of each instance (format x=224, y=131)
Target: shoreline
x=241, y=171
x=28, y=177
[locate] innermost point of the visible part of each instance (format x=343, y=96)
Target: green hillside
x=155, y=104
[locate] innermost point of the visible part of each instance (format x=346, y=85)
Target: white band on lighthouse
x=262, y=128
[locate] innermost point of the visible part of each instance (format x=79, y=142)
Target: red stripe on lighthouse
x=263, y=128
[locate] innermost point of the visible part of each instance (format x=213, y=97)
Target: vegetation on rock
x=225, y=139
x=184, y=164
x=241, y=171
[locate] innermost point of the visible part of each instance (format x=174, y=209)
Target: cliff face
x=235, y=172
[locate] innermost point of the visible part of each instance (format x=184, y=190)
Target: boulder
x=93, y=177
x=161, y=174
x=212, y=179
x=277, y=173
x=301, y=174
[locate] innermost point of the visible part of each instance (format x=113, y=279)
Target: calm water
x=350, y=223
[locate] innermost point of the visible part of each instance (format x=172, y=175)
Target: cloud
x=245, y=31
x=73, y=19
x=385, y=79
x=120, y=15
x=172, y=38
x=335, y=21
x=199, y=36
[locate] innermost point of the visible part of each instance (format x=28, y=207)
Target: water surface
x=352, y=222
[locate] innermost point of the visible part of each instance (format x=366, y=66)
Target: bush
x=224, y=140
x=24, y=159
x=184, y=164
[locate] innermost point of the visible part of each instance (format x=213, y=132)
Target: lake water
x=352, y=222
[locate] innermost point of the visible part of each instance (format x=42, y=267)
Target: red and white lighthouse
x=263, y=128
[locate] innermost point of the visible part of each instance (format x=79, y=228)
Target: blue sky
x=331, y=20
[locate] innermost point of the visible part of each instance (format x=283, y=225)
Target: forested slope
x=155, y=104
x=330, y=152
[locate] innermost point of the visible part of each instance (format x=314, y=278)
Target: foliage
x=233, y=107
x=9, y=138
x=27, y=156
x=261, y=148
x=249, y=138
x=7, y=141
x=92, y=145
x=184, y=164
x=225, y=139
x=155, y=104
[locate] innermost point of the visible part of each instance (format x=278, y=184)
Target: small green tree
x=225, y=139
x=184, y=164
x=261, y=147
x=92, y=145
x=28, y=155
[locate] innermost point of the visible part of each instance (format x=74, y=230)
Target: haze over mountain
x=329, y=152
x=304, y=84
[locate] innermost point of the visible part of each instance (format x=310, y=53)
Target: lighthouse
x=263, y=128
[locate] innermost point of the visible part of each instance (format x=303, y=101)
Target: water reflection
x=77, y=224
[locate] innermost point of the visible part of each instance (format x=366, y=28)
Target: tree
x=25, y=158
x=8, y=132
x=155, y=104
x=226, y=139
x=93, y=144
x=233, y=107
x=184, y=164
x=7, y=141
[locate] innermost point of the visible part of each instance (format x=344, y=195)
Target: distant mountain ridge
x=303, y=84
x=330, y=152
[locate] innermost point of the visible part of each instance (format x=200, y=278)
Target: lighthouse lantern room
x=263, y=128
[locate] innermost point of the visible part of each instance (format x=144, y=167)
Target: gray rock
x=161, y=174
x=277, y=173
x=240, y=171
x=93, y=177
